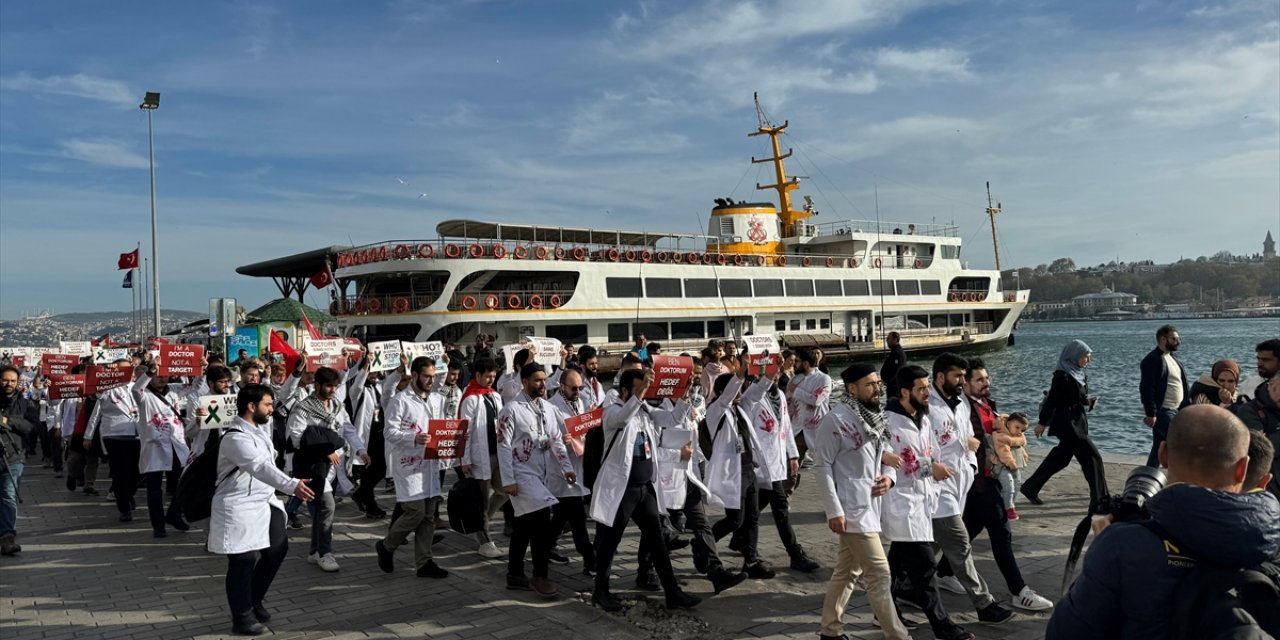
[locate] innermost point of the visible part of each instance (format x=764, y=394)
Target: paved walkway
x=83, y=575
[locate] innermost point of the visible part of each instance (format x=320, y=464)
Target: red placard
x=58, y=364
x=336, y=362
x=18, y=361
x=671, y=377
x=448, y=439
x=103, y=377
x=64, y=386
x=579, y=425
x=181, y=360
x=769, y=361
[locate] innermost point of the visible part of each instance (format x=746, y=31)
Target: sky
x=1131, y=130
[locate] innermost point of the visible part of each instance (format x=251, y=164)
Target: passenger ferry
x=760, y=268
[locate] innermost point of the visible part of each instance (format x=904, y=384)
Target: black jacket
x=896, y=359
x=22, y=415
x=1262, y=414
x=1066, y=409
x=311, y=460
x=1155, y=381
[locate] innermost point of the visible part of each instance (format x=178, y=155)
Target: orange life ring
x=476, y=251
x=759, y=261
x=540, y=252
x=452, y=250
x=782, y=261
x=382, y=253
x=513, y=301
x=555, y=301
x=853, y=262
x=579, y=254
x=559, y=253
x=374, y=305
x=499, y=251
x=738, y=260
x=879, y=264
x=358, y=305
x=646, y=256
x=831, y=262
x=630, y=255
x=426, y=250
x=520, y=252
x=400, y=305
x=612, y=254
x=805, y=261
x=663, y=257
x=919, y=264
x=491, y=301
x=468, y=302
x=721, y=259
x=535, y=301
x=402, y=252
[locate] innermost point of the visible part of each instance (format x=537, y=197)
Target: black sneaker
x=260, y=612
x=956, y=632
x=760, y=571
x=804, y=563
x=386, y=558
x=90, y=491
x=295, y=522
x=518, y=583
x=722, y=580
x=71, y=483
x=606, y=601
x=178, y=523
x=249, y=628
x=557, y=558
x=432, y=570
x=126, y=516
x=994, y=614
x=1033, y=498
x=682, y=600
x=589, y=570
x=437, y=538
x=646, y=582
x=677, y=543
x=159, y=533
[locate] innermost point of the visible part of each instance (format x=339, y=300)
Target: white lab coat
x=951, y=433
x=811, y=400
x=509, y=386
x=846, y=466
x=559, y=487
x=622, y=422
x=116, y=413
x=723, y=476
x=674, y=474
x=592, y=392
x=777, y=444
x=241, y=512
x=530, y=448
x=475, y=411
x=909, y=505
x=160, y=429
x=416, y=478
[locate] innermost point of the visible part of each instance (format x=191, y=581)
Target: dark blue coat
x=1155, y=381
x=1129, y=576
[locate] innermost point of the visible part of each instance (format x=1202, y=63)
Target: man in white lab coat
x=480, y=407
x=852, y=477
x=571, y=510
x=809, y=396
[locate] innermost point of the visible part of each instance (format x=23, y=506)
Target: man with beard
x=246, y=518
x=592, y=390
x=985, y=507
x=1163, y=387
x=851, y=478
x=571, y=509
x=909, y=504
x=17, y=419
x=809, y=396
x=480, y=407
x=955, y=444
x=1268, y=358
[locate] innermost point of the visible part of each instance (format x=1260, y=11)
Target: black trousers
x=156, y=494
x=531, y=529
x=696, y=523
x=744, y=520
x=912, y=567
x=640, y=505
x=985, y=510
x=776, y=497
x=574, y=512
x=374, y=472
x=249, y=574
x=51, y=445
x=1059, y=457
x=122, y=458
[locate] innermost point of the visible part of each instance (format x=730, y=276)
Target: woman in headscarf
x=1218, y=386
x=1065, y=411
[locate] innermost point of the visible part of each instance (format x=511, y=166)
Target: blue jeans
x=1159, y=433
x=9, y=478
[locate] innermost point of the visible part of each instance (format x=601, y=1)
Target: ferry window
x=779, y=325
x=662, y=287
x=652, y=330
x=950, y=252
x=957, y=319
x=828, y=287
x=619, y=332
x=765, y=288
x=881, y=287
x=811, y=324
x=701, y=288
x=799, y=287
x=685, y=330
x=568, y=333
x=856, y=288
x=938, y=321
x=622, y=287
x=914, y=322
x=736, y=288
x=908, y=288
x=795, y=325
x=715, y=329
x=930, y=287
x=824, y=323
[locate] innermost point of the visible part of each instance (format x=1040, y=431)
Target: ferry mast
x=786, y=215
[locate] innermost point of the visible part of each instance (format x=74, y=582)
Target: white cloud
x=110, y=153
x=1212, y=83
x=78, y=85
x=943, y=63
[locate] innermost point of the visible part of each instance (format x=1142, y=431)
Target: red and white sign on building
x=672, y=375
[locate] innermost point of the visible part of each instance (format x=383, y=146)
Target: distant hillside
x=108, y=316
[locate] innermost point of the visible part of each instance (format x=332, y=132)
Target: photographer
x=1131, y=572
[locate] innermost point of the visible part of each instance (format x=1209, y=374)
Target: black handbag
x=466, y=506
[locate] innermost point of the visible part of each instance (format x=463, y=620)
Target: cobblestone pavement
x=83, y=575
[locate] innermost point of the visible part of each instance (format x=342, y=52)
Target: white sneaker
x=1032, y=601
x=329, y=563
x=950, y=583
x=489, y=550
x=313, y=558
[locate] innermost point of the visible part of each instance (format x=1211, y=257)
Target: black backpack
x=465, y=506
x=1217, y=603
x=200, y=480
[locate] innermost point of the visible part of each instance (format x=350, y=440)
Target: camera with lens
x=1130, y=505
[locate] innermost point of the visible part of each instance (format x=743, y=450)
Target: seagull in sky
x=421, y=196
x=402, y=182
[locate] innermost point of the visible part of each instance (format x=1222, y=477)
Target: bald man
x=1130, y=573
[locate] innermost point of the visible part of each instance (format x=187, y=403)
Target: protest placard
x=105, y=355
x=58, y=364
x=99, y=377
x=433, y=349
x=65, y=386
x=579, y=425
x=545, y=350
x=509, y=355
x=325, y=352
x=222, y=411
x=180, y=360
x=672, y=375
x=761, y=343
x=18, y=361
x=448, y=439
x=765, y=363
x=384, y=356
x=81, y=349
x=354, y=347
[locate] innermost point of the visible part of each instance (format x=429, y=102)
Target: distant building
x=1268, y=247
x=1105, y=300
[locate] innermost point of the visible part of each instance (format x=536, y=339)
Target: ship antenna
x=992, y=209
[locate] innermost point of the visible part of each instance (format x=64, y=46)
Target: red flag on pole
x=128, y=260
x=291, y=356
x=312, y=331
x=321, y=279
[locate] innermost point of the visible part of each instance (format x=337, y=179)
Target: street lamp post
x=150, y=103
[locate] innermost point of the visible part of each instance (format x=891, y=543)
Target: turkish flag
x=321, y=279
x=312, y=331
x=278, y=345
x=128, y=260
